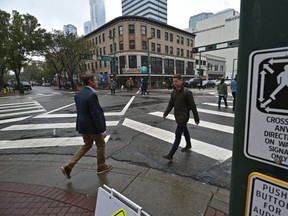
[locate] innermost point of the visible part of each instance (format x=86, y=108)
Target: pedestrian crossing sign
x=266, y=135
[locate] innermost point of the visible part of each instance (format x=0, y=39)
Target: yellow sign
x=266, y=196
x=120, y=212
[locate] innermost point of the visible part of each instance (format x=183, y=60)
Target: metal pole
x=148, y=50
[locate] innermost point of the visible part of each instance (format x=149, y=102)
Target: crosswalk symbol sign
x=120, y=212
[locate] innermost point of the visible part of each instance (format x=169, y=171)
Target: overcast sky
x=53, y=14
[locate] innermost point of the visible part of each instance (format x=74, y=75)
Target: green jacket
x=182, y=101
x=222, y=89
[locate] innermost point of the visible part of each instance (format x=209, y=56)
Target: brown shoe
x=104, y=168
x=66, y=171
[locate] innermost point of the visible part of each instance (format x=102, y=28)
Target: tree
x=4, y=23
x=25, y=39
x=64, y=54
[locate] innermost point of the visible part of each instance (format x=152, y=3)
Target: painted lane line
x=127, y=106
x=60, y=108
x=16, y=109
x=21, y=113
x=214, y=104
x=213, y=126
x=49, y=126
x=17, y=106
x=13, y=104
x=13, y=120
x=45, y=142
x=206, y=149
x=216, y=112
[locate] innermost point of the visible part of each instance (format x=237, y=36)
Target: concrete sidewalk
x=33, y=184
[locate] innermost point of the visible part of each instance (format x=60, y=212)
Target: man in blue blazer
x=91, y=124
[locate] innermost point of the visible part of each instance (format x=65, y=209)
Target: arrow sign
x=272, y=61
x=266, y=66
x=263, y=73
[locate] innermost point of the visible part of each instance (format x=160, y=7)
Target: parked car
x=207, y=84
x=23, y=86
x=191, y=83
x=228, y=82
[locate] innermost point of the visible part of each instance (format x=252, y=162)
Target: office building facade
x=194, y=19
x=137, y=41
x=69, y=29
x=97, y=13
x=220, y=27
x=154, y=9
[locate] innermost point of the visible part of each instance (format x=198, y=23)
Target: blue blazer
x=90, y=115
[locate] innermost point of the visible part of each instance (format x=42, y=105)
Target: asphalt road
x=39, y=121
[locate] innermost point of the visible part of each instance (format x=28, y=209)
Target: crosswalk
x=16, y=112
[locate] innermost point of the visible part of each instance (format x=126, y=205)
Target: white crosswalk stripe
x=209, y=150
x=17, y=112
x=219, y=127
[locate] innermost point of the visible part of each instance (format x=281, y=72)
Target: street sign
x=266, y=196
x=106, y=58
x=266, y=135
x=87, y=56
x=112, y=203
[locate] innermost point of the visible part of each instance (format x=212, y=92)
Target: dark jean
x=181, y=128
x=219, y=100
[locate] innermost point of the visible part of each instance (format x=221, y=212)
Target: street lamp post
x=148, y=67
x=233, y=68
x=114, y=52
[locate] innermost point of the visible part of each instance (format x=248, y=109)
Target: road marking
x=216, y=112
x=215, y=104
x=22, y=113
x=74, y=115
x=13, y=120
x=49, y=126
x=45, y=142
x=13, y=104
x=208, y=150
x=16, y=109
x=214, y=126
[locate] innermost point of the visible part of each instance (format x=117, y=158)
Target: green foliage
x=24, y=39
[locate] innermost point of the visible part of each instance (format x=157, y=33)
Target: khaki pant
x=88, y=143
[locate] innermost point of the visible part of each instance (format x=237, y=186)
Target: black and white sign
x=266, y=196
x=266, y=137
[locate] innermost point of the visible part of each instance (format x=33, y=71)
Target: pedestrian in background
x=222, y=93
x=182, y=101
x=112, y=86
x=233, y=87
x=91, y=124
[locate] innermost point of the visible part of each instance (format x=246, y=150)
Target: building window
x=158, y=33
x=171, y=37
x=131, y=44
x=133, y=61
x=110, y=33
x=96, y=40
x=216, y=67
x=103, y=37
x=114, y=33
x=169, y=66
x=178, y=51
x=166, y=49
x=182, y=52
x=144, y=61
x=171, y=50
x=182, y=40
x=131, y=29
x=188, y=54
x=191, y=43
x=188, y=42
x=153, y=32
x=104, y=51
x=99, y=39
x=96, y=65
x=153, y=47
x=122, y=62
x=144, y=45
x=120, y=30
x=221, y=68
x=180, y=67
x=156, y=65
x=143, y=30
x=100, y=51
x=121, y=45
x=178, y=39
x=159, y=48
x=166, y=36
x=190, y=68
x=111, y=48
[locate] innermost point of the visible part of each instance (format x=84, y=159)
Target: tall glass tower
x=97, y=13
x=154, y=9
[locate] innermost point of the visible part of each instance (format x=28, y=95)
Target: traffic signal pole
x=259, y=179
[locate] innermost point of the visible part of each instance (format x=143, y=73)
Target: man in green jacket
x=182, y=101
x=222, y=93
